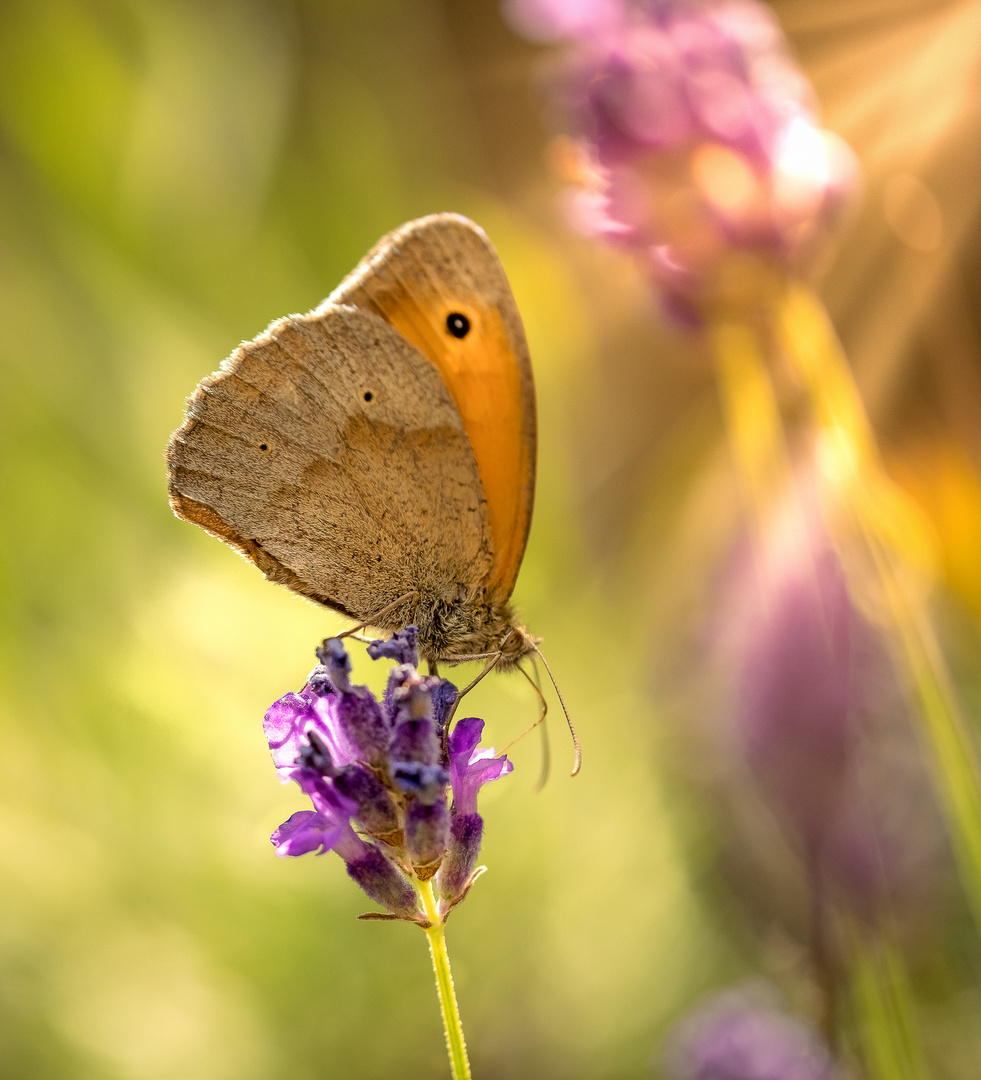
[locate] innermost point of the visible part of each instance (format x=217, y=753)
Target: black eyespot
x=368, y=395
x=457, y=324
x=263, y=446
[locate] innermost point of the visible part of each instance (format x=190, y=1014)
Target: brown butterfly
x=377, y=454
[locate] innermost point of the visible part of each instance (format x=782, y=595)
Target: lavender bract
x=387, y=797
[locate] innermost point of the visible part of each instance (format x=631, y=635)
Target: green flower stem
x=456, y=1046
x=883, y=1007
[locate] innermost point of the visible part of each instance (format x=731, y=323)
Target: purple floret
x=400, y=647
x=470, y=767
x=466, y=832
x=327, y=828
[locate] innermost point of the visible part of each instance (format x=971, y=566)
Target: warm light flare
x=726, y=179
x=802, y=169
x=913, y=213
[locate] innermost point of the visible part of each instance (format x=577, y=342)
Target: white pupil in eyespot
x=457, y=324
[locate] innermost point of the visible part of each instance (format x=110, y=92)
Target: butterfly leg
x=577, y=762
x=372, y=619
x=492, y=661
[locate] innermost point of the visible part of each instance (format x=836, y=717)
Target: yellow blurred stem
x=456, y=1047
x=752, y=418
x=883, y=1008
x=891, y=533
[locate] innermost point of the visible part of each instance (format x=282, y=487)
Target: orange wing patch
x=415, y=279
x=482, y=375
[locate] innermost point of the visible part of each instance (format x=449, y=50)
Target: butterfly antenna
x=372, y=619
x=577, y=763
x=492, y=661
x=539, y=723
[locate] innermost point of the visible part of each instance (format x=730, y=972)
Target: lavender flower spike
x=380, y=780
x=381, y=777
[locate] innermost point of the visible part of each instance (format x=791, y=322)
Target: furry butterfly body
x=377, y=454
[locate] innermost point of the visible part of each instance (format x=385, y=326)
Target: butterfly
x=377, y=455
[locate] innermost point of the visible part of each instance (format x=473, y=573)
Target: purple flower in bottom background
x=741, y=1034
x=391, y=794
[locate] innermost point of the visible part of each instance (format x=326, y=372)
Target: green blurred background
x=173, y=176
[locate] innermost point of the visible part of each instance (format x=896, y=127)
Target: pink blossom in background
x=692, y=140
x=553, y=20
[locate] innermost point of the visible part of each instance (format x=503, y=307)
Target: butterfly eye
x=457, y=324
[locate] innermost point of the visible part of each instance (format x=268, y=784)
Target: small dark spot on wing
x=457, y=324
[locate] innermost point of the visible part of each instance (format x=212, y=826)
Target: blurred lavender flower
x=795, y=711
x=740, y=1035
x=694, y=141
x=387, y=797
x=819, y=716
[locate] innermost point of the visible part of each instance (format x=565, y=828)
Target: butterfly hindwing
x=330, y=453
